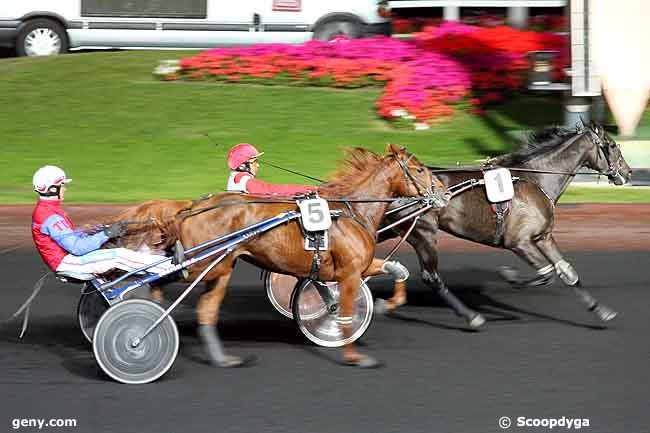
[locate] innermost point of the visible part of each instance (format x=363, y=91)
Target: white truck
x=44, y=27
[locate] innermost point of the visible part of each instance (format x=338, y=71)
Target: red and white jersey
x=237, y=181
x=241, y=181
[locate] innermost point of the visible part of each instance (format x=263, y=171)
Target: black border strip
x=207, y=27
x=9, y=24
x=286, y=28
x=121, y=26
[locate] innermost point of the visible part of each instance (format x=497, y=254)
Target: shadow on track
x=476, y=297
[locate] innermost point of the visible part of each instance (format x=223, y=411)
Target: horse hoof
x=229, y=362
x=605, y=313
x=476, y=321
x=364, y=362
x=381, y=306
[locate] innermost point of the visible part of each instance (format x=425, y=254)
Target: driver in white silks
x=73, y=253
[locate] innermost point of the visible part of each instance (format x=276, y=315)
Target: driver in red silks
x=242, y=160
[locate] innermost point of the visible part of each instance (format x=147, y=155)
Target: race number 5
x=315, y=214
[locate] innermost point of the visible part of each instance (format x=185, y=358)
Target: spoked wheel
x=315, y=310
x=116, y=346
x=279, y=288
x=91, y=307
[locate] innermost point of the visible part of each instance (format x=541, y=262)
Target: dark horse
x=554, y=155
x=352, y=237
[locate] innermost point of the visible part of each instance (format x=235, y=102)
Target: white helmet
x=47, y=177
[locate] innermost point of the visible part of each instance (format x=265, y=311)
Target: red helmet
x=241, y=153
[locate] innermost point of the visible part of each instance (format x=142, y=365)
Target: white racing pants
x=103, y=260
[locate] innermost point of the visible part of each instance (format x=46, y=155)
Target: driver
x=74, y=253
x=242, y=160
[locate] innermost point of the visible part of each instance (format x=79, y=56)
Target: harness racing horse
x=545, y=164
x=352, y=239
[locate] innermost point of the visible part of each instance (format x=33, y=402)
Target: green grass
x=596, y=194
x=125, y=137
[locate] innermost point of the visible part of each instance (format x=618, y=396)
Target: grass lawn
x=125, y=137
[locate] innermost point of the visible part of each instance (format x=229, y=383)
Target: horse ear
x=597, y=128
x=394, y=149
x=391, y=149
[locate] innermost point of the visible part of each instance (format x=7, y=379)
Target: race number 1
x=498, y=185
x=315, y=214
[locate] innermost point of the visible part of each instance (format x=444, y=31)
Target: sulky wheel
x=315, y=310
x=279, y=288
x=91, y=307
x=116, y=347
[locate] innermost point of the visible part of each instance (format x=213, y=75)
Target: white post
x=451, y=13
x=518, y=16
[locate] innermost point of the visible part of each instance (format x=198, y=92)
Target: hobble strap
x=316, y=260
x=500, y=210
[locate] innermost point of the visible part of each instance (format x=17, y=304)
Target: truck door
x=164, y=23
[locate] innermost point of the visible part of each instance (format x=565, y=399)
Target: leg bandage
x=397, y=270
x=344, y=320
x=566, y=272
x=545, y=270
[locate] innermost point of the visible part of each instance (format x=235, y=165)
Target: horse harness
x=500, y=208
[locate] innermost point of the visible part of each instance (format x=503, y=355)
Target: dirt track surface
x=582, y=227
x=541, y=355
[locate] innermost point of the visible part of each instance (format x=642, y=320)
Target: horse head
x=408, y=176
x=607, y=157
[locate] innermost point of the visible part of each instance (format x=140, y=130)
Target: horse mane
x=358, y=164
x=537, y=143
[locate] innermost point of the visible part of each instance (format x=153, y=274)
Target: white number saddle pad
x=315, y=214
x=498, y=185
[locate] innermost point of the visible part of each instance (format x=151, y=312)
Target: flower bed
x=424, y=79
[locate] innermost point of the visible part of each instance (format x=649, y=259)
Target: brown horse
x=547, y=163
x=352, y=238
x=147, y=229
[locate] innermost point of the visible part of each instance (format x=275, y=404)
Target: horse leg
x=529, y=252
x=400, y=275
x=570, y=277
x=425, y=244
x=348, y=291
x=156, y=293
x=207, y=312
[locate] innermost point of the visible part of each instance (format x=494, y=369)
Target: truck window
x=144, y=8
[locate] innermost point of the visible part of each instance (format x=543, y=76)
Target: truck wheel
x=332, y=29
x=41, y=37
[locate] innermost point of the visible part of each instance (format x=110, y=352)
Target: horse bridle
x=423, y=191
x=612, y=172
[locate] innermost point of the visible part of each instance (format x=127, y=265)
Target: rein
x=528, y=170
x=294, y=172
